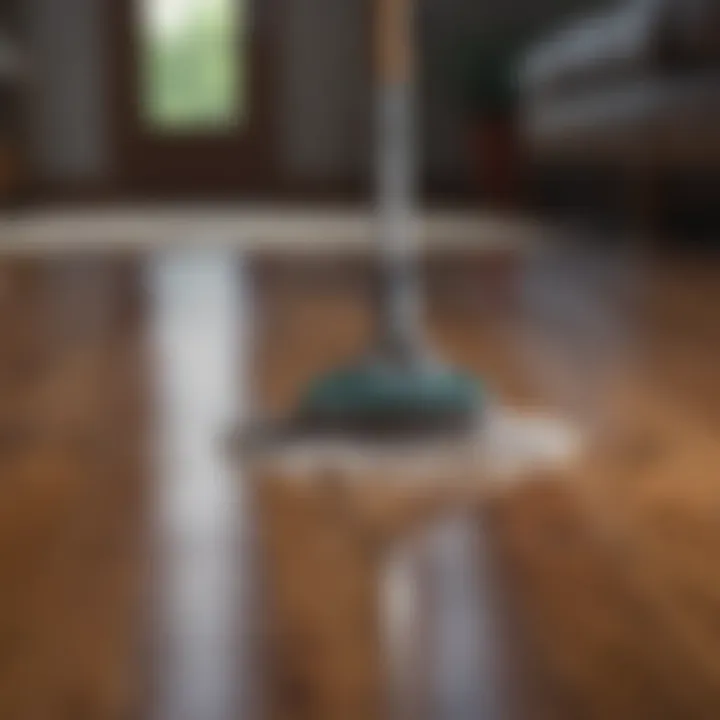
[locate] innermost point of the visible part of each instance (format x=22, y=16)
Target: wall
x=324, y=126
x=325, y=92
x=68, y=107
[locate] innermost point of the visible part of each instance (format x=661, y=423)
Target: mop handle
x=400, y=301
x=394, y=42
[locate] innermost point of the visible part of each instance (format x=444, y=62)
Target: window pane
x=192, y=68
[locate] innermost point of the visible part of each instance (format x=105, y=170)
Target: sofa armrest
x=633, y=39
x=603, y=45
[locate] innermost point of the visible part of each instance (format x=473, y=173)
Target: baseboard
x=339, y=191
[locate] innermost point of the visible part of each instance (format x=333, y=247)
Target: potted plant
x=11, y=76
x=489, y=95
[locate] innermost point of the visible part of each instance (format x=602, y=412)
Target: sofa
x=639, y=80
x=634, y=86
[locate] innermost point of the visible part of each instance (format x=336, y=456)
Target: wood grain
x=609, y=578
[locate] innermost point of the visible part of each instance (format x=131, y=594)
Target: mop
x=399, y=387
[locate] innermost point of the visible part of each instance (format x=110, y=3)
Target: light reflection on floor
x=199, y=342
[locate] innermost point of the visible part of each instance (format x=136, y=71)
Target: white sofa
x=637, y=83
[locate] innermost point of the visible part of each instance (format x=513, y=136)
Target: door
x=192, y=112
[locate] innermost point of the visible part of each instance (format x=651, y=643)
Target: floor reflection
x=199, y=331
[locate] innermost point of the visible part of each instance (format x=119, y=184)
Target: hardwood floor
x=129, y=585
x=73, y=481
x=612, y=573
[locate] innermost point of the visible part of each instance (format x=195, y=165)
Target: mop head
x=381, y=399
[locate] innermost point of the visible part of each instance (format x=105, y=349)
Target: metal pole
x=400, y=304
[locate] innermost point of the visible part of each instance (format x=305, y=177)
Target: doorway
x=193, y=112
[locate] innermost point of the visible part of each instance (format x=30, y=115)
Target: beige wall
x=325, y=127
x=68, y=108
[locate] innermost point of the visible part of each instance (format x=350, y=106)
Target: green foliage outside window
x=193, y=75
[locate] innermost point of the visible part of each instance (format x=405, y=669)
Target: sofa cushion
x=668, y=120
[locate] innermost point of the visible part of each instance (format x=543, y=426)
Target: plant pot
x=495, y=157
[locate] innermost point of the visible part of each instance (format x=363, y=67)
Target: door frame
x=233, y=166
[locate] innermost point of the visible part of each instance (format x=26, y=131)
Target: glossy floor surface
x=129, y=573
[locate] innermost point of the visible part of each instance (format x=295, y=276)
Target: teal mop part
x=385, y=399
